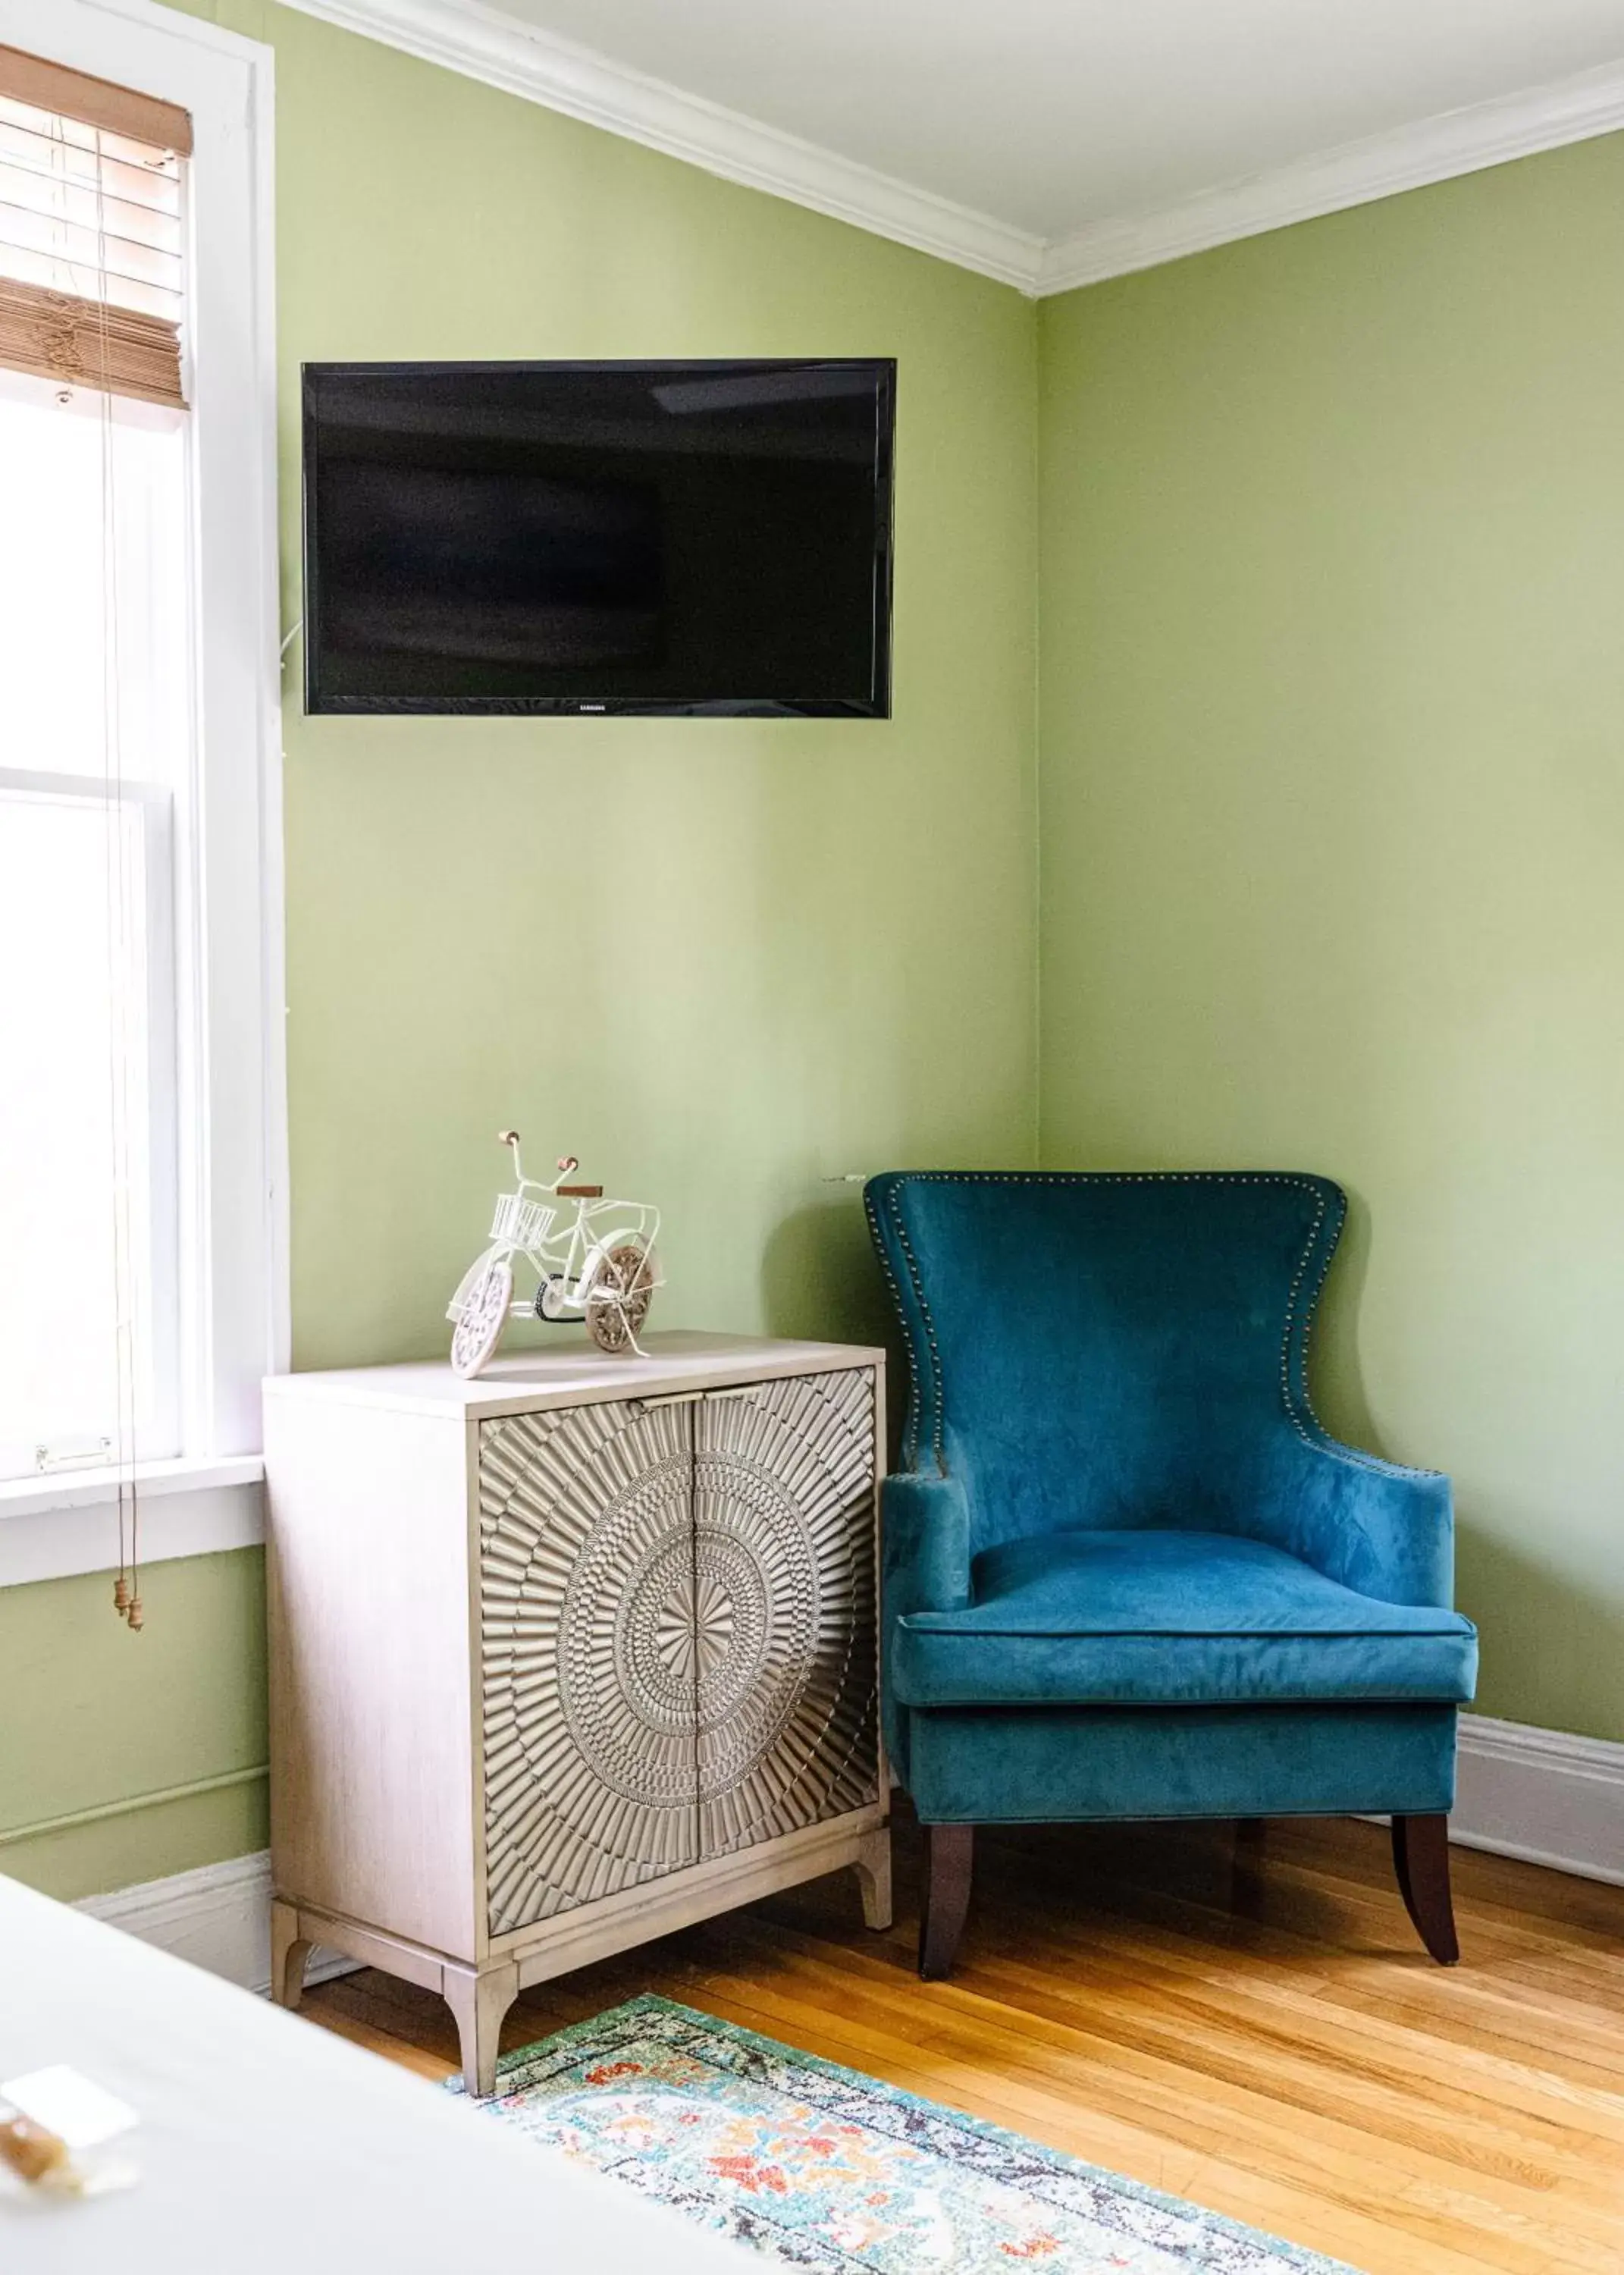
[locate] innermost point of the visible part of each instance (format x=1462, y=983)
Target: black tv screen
x=598, y=537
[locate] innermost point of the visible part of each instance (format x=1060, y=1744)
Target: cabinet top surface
x=573, y=1372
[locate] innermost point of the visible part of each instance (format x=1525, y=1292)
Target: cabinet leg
x=479, y=2001
x=288, y=1952
x=873, y=1872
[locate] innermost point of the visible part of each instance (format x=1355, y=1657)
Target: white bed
x=267, y=2143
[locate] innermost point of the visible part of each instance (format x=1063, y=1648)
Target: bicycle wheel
x=484, y=1314
x=621, y=1295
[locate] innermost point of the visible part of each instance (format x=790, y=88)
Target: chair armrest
x=1387, y=1531
x=923, y=1545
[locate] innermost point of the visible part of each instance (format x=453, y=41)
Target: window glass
x=95, y=746
x=91, y=584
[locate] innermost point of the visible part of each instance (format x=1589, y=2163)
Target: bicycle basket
x=519, y=1223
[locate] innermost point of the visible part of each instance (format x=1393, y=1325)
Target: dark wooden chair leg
x=1420, y=1860
x=1248, y=1863
x=950, y=1858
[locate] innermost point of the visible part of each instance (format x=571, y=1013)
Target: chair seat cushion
x=1160, y=1619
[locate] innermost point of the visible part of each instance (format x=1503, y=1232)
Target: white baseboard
x=218, y=1918
x=1543, y=1795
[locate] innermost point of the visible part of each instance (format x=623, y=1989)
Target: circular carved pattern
x=694, y=1629
x=751, y=1546
x=627, y=1699
x=660, y=1620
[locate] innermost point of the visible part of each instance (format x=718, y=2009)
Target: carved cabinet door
x=676, y=1621
x=786, y=1691
x=586, y=1630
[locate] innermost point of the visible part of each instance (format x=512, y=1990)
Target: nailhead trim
x=938, y=1388
x=1303, y=1419
x=1318, y=1436
x=1287, y=1390
x=911, y=1435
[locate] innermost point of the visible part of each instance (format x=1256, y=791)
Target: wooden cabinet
x=570, y=1656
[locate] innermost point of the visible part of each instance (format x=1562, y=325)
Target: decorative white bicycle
x=600, y=1266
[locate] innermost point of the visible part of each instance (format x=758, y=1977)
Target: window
x=141, y=1195
x=95, y=730
x=87, y=936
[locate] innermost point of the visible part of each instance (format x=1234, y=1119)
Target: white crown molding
x=484, y=43
x=217, y=1917
x=1409, y=158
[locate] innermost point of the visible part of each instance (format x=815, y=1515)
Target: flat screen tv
x=710, y=538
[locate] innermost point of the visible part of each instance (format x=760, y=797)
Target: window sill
x=34, y=1495
x=51, y=1528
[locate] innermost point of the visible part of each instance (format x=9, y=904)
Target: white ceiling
x=1056, y=115
x=1049, y=143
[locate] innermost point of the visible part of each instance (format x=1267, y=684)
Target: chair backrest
x=1102, y=1350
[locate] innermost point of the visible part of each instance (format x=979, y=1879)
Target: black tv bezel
x=877, y=705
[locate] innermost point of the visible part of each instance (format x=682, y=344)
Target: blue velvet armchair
x=1126, y=1573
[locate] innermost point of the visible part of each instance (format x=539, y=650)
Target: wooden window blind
x=92, y=247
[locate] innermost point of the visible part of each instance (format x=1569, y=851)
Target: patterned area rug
x=819, y=2166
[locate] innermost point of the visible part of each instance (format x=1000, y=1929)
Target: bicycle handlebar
x=566, y=1163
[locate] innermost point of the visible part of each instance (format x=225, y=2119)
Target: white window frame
x=227, y=850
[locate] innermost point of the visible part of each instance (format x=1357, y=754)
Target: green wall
x=1332, y=822
x=699, y=954
x=1332, y=559
x=720, y=960
x=97, y=1722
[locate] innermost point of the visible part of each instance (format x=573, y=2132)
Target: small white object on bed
x=267, y=2143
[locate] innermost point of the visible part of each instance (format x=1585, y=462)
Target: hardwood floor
x=1246, y=2021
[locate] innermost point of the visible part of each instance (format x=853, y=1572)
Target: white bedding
x=267, y=2143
